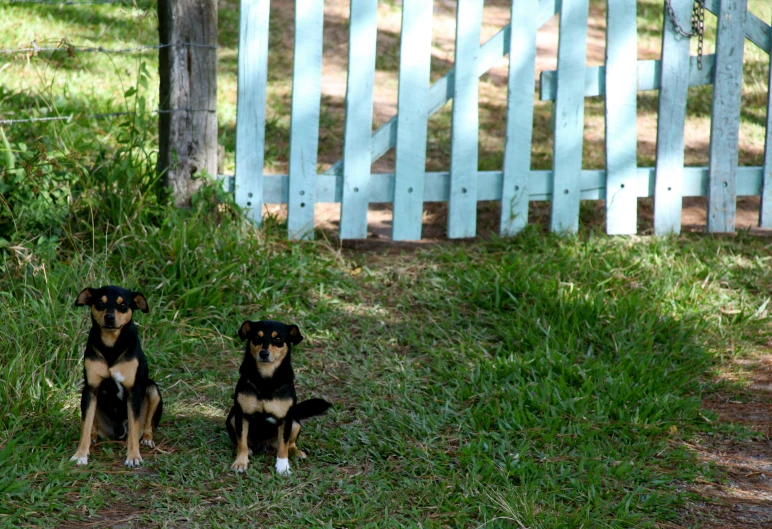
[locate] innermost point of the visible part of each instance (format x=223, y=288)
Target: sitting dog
x=265, y=409
x=119, y=400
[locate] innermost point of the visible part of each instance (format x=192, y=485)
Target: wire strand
x=99, y=49
x=104, y=116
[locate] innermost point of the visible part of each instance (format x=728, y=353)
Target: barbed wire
x=103, y=116
x=66, y=3
x=99, y=49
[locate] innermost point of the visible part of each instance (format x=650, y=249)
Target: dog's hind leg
x=103, y=426
x=149, y=414
x=293, y=447
x=230, y=425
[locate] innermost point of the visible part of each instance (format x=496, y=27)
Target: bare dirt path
x=744, y=498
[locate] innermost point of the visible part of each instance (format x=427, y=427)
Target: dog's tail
x=310, y=408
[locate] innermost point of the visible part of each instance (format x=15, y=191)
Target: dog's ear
x=294, y=335
x=138, y=302
x=246, y=328
x=84, y=298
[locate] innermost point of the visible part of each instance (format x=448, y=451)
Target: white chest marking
x=118, y=377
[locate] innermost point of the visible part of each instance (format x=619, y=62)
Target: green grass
x=543, y=381
x=538, y=382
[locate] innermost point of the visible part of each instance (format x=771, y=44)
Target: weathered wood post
x=188, y=94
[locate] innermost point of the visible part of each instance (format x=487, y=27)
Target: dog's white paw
x=148, y=443
x=133, y=462
x=282, y=466
x=79, y=460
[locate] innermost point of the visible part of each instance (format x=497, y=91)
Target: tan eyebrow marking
x=274, y=334
x=104, y=299
x=119, y=300
x=260, y=334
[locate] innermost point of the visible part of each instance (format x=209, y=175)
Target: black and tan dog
x=265, y=410
x=119, y=400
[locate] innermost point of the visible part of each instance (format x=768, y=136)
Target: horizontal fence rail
x=351, y=183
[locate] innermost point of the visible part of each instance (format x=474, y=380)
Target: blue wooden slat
x=412, y=117
x=765, y=214
x=756, y=30
x=725, y=120
x=649, y=77
x=569, y=116
x=462, y=204
x=592, y=185
x=621, y=113
x=520, y=94
x=442, y=91
x=304, y=122
x=670, y=123
x=250, y=125
x=359, y=118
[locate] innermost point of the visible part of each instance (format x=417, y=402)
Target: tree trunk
x=188, y=94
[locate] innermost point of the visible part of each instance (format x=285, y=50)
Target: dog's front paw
x=282, y=466
x=240, y=465
x=148, y=443
x=133, y=461
x=79, y=459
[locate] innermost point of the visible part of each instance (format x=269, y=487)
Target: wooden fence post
x=725, y=117
x=188, y=94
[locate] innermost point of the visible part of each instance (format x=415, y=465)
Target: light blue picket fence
x=351, y=183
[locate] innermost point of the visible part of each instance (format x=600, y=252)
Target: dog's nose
x=264, y=355
x=109, y=319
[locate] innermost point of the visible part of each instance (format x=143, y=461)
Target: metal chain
x=698, y=25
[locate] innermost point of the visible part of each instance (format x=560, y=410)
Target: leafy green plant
x=35, y=190
x=122, y=184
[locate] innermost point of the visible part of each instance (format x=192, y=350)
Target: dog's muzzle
x=110, y=320
x=264, y=355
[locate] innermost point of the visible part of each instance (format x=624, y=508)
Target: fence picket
x=350, y=182
x=725, y=120
x=304, y=122
x=363, y=32
x=442, y=91
x=621, y=112
x=670, y=123
x=462, y=206
x=569, y=116
x=412, y=118
x=250, y=127
x=765, y=214
x=520, y=94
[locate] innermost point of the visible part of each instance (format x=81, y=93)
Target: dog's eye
x=100, y=305
x=277, y=341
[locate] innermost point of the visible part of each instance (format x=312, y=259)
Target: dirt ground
x=744, y=498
